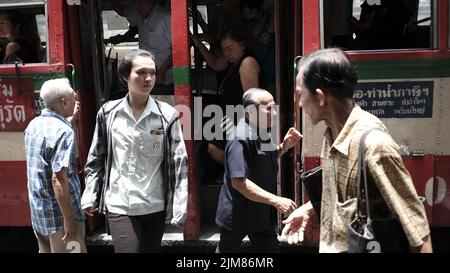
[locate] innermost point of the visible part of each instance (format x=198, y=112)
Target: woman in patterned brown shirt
x=325, y=85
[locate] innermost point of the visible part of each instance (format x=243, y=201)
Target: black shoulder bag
x=373, y=235
x=312, y=180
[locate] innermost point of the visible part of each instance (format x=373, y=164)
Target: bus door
x=206, y=83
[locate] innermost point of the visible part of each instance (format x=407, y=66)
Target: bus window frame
x=26, y=3
x=313, y=35
x=55, y=44
x=448, y=26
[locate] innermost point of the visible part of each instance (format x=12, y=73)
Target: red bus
x=406, y=85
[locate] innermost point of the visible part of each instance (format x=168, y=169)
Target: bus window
x=113, y=26
x=377, y=24
x=113, y=23
x=23, y=33
x=203, y=12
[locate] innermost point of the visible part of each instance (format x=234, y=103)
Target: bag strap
x=363, y=201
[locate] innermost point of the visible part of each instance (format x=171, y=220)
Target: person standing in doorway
x=248, y=200
x=137, y=168
x=152, y=23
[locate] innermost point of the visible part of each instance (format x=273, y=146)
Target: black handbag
x=312, y=180
x=373, y=235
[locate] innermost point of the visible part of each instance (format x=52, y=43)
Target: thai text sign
x=17, y=103
x=396, y=99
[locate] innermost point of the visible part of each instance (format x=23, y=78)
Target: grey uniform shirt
x=155, y=34
x=136, y=181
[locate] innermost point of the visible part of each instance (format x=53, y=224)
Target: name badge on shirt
x=156, y=144
x=155, y=133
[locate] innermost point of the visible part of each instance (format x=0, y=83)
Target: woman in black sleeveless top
x=242, y=74
x=242, y=68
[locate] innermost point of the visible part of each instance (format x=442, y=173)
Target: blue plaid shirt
x=50, y=147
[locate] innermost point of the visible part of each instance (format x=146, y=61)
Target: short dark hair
x=125, y=66
x=330, y=70
x=240, y=36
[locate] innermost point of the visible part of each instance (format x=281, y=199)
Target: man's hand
x=295, y=224
x=291, y=138
x=114, y=40
x=76, y=112
x=70, y=230
x=285, y=205
x=90, y=211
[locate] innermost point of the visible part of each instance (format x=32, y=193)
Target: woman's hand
x=295, y=224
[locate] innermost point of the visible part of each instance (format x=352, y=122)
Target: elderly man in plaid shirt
x=53, y=185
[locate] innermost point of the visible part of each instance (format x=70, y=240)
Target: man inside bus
x=262, y=28
x=153, y=24
x=248, y=199
x=53, y=184
x=381, y=24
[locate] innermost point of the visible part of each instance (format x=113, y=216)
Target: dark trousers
x=264, y=241
x=137, y=234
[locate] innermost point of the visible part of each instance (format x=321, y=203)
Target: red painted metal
x=56, y=31
x=14, y=205
x=311, y=30
x=443, y=24
x=399, y=55
x=31, y=69
x=86, y=122
x=180, y=45
x=17, y=103
x=441, y=192
x=422, y=170
x=297, y=111
x=311, y=162
x=183, y=97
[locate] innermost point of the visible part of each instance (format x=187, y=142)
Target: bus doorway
x=206, y=80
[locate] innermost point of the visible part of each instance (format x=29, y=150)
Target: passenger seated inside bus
x=380, y=25
x=15, y=46
x=373, y=25
x=337, y=15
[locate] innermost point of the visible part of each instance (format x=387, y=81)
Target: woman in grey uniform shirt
x=137, y=164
